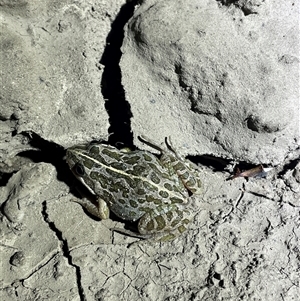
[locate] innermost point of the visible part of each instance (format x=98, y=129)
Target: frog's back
x=131, y=183
x=135, y=182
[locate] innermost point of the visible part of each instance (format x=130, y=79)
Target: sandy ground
x=221, y=78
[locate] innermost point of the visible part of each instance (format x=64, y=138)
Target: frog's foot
x=185, y=169
x=164, y=226
x=161, y=149
x=129, y=233
x=150, y=143
x=97, y=208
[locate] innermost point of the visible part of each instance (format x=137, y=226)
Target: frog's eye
x=79, y=169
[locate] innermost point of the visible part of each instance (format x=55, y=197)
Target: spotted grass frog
x=138, y=186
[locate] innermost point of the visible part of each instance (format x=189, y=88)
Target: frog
x=154, y=190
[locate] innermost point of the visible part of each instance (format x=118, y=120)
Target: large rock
x=50, y=74
x=221, y=80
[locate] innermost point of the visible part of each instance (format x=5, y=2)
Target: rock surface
x=226, y=83
x=219, y=77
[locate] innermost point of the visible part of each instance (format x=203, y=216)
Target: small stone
x=17, y=259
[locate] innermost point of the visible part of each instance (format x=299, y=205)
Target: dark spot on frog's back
x=130, y=182
x=130, y=159
x=94, y=150
x=149, y=187
x=107, y=196
x=118, y=187
x=163, y=194
x=179, y=166
x=151, y=199
x=140, y=191
x=113, y=154
x=160, y=222
x=154, y=178
x=138, y=170
x=100, y=178
x=118, y=165
x=154, y=166
x=147, y=157
x=88, y=162
x=168, y=186
x=133, y=204
x=141, y=201
x=169, y=215
x=111, y=173
x=176, y=200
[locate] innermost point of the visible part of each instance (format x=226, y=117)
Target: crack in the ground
x=118, y=108
x=65, y=250
x=4, y=177
x=290, y=164
x=36, y=269
x=245, y=9
x=212, y=162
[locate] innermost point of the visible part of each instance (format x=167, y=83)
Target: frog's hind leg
x=186, y=171
x=164, y=226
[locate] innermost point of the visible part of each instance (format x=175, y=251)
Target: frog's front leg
x=98, y=207
x=164, y=223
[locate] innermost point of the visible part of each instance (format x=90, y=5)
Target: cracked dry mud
x=219, y=77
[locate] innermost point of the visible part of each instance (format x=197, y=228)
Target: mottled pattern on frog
x=137, y=185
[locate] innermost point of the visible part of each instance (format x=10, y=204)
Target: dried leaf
x=258, y=171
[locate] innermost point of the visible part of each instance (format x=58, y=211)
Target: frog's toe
x=194, y=185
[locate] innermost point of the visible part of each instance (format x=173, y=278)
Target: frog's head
x=81, y=163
